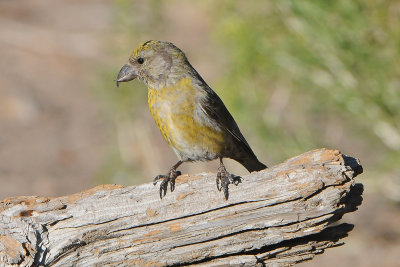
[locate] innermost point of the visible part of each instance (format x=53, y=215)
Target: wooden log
x=278, y=216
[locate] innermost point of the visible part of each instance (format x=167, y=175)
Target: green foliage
x=305, y=68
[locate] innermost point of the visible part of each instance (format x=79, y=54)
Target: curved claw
x=226, y=193
x=172, y=185
x=163, y=188
x=218, y=181
x=224, y=178
x=166, y=179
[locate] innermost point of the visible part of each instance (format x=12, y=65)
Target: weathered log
x=279, y=216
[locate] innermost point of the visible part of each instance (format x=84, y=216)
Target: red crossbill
x=190, y=115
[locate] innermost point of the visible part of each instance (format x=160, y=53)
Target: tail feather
x=252, y=164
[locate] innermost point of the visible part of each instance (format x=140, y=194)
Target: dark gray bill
x=126, y=74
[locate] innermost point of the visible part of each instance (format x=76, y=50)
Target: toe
x=172, y=185
x=158, y=178
x=235, y=179
x=163, y=188
x=163, y=191
x=218, y=182
x=226, y=193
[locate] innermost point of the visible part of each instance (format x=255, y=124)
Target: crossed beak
x=126, y=74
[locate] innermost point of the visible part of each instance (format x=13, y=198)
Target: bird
x=191, y=117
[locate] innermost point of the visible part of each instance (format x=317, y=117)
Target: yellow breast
x=176, y=112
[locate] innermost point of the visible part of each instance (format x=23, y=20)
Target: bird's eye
x=140, y=60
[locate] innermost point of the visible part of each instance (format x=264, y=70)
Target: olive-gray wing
x=216, y=110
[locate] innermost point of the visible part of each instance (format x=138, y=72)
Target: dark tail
x=252, y=164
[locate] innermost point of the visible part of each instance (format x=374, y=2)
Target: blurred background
x=296, y=75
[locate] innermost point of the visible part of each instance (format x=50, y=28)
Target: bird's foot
x=167, y=179
x=224, y=178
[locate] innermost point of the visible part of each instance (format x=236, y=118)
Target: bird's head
x=156, y=63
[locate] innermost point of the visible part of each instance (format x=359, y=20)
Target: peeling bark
x=279, y=216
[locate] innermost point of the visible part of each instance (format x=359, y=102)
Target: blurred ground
x=64, y=126
x=52, y=134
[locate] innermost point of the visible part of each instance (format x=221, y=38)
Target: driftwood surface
x=279, y=216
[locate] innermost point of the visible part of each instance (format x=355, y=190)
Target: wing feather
x=215, y=109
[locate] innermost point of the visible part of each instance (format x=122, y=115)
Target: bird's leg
x=168, y=178
x=224, y=178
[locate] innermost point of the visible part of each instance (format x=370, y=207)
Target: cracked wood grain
x=279, y=216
